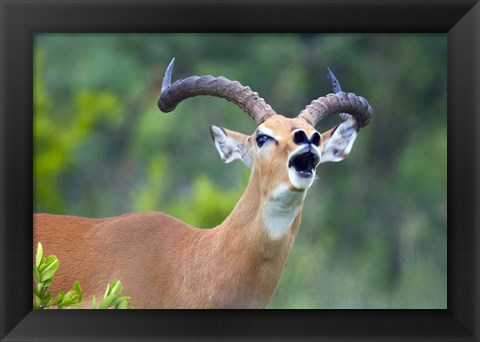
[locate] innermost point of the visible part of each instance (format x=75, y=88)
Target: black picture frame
x=20, y=20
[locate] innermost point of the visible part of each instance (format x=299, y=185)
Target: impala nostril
x=300, y=137
x=315, y=139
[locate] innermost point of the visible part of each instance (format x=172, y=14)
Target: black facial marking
x=262, y=139
x=315, y=139
x=300, y=137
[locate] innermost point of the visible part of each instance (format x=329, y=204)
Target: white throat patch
x=281, y=210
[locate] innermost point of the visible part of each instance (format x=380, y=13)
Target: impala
x=165, y=263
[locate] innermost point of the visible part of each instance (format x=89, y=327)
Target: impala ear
x=339, y=140
x=231, y=145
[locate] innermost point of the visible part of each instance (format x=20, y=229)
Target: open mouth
x=304, y=163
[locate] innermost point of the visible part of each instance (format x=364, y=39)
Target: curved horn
x=336, y=89
x=342, y=103
x=233, y=91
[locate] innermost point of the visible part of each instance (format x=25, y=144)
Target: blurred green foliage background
x=373, y=233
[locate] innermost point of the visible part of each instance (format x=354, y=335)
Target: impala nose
x=300, y=138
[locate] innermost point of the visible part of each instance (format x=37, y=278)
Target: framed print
x=376, y=256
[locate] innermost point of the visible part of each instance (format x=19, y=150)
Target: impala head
x=284, y=151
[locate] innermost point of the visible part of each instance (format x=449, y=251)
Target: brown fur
x=165, y=263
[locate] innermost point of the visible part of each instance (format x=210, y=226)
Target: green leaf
x=36, y=274
x=71, y=298
x=39, y=256
x=66, y=303
x=36, y=293
x=47, y=299
x=77, y=287
x=122, y=305
x=50, y=270
x=47, y=283
x=36, y=303
x=51, y=259
x=41, y=289
x=59, y=298
x=105, y=304
x=118, y=300
x=116, y=288
x=107, y=292
x=47, y=262
x=94, y=302
x=42, y=267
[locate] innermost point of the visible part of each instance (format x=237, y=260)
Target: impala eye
x=262, y=139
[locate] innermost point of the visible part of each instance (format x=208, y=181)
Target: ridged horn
x=233, y=91
x=336, y=89
x=341, y=103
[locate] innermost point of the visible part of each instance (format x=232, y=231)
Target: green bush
x=44, y=271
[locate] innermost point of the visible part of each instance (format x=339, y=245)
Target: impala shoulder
x=146, y=219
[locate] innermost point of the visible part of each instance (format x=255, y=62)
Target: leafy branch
x=44, y=271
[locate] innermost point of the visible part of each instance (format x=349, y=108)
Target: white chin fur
x=299, y=182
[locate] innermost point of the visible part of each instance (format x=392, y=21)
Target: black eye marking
x=300, y=138
x=315, y=139
x=262, y=139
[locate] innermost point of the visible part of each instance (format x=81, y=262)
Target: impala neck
x=255, y=241
x=266, y=221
